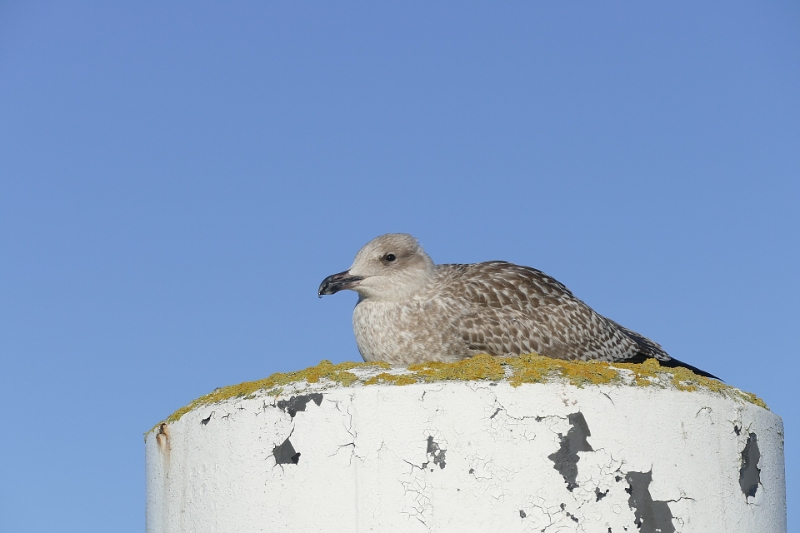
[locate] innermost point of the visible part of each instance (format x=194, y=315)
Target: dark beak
x=337, y=282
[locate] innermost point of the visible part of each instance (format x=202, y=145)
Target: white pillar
x=467, y=456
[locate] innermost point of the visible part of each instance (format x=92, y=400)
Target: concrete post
x=491, y=445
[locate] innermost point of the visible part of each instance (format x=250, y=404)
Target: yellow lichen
x=533, y=368
x=530, y=368
x=324, y=370
x=391, y=379
x=482, y=366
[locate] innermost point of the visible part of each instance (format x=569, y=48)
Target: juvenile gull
x=411, y=310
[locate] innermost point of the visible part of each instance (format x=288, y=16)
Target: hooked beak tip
x=337, y=282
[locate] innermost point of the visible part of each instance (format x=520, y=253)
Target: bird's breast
x=403, y=333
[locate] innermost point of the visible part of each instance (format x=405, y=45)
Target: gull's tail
x=649, y=349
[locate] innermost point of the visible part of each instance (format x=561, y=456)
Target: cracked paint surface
x=651, y=516
x=565, y=460
x=436, y=453
x=749, y=473
x=470, y=457
x=285, y=454
x=298, y=403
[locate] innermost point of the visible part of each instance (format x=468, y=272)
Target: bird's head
x=390, y=267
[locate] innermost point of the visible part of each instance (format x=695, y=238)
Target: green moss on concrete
x=530, y=368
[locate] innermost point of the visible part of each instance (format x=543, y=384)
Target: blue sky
x=176, y=178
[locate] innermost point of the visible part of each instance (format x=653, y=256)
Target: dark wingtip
x=673, y=363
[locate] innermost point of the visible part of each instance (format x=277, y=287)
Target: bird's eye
x=390, y=257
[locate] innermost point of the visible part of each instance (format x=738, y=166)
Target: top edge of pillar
x=526, y=369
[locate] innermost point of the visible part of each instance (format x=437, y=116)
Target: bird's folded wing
x=505, y=309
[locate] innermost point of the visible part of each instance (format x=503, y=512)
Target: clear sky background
x=176, y=178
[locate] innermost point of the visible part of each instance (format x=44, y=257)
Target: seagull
x=411, y=310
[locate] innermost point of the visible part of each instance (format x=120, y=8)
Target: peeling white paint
x=371, y=460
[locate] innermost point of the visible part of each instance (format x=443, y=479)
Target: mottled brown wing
x=647, y=347
x=507, y=309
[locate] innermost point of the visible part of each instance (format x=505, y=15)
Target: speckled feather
x=411, y=311
x=497, y=308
